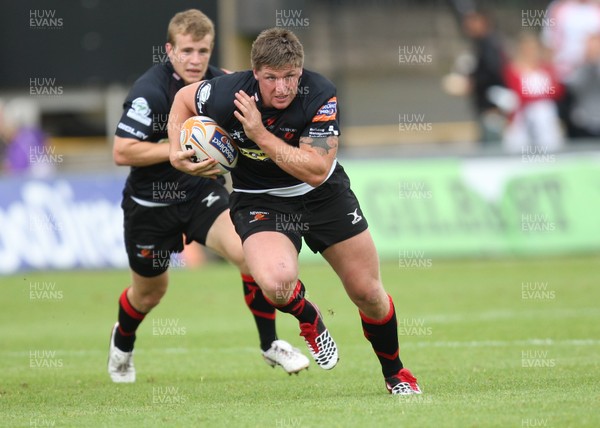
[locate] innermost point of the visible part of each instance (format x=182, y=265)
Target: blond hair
x=276, y=48
x=192, y=22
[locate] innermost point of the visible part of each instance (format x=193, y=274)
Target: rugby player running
x=287, y=186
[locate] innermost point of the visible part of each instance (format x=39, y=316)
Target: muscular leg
x=223, y=239
x=356, y=262
x=146, y=292
x=277, y=273
x=135, y=303
x=273, y=262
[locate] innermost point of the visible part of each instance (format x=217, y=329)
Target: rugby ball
x=203, y=135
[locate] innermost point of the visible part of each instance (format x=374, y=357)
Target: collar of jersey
x=172, y=70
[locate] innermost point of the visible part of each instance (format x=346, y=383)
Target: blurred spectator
x=535, y=123
x=3, y=136
x=570, y=23
x=486, y=73
x=26, y=150
x=585, y=87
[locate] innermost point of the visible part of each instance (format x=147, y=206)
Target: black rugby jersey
x=312, y=113
x=145, y=117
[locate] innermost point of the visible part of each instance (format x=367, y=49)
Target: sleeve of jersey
x=324, y=117
x=203, y=94
x=137, y=119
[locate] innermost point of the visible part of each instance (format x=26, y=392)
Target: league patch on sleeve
x=202, y=95
x=140, y=111
x=327, y=112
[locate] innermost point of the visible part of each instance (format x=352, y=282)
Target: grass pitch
x=493, y=343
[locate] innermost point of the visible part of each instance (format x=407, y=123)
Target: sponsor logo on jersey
x=256, y=154
x=202, y=96
x=138, y=134
x=287, y=129
x=288, y=133
x=320, y=132
x=327, y=112
x=269, y=123
x=258, y=216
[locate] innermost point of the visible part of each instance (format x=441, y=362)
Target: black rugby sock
x=383, y=335
x=129, y=320
x=263, y=312
x=297, y=305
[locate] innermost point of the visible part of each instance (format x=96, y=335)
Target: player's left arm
x=310, y=162
x=183, y=107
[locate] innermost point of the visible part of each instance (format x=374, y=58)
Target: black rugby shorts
x=324, y=216
x=153, y=234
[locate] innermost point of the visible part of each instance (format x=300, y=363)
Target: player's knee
x=147, y=301
x=146, y=293
x=372, y=296
x=278, y=287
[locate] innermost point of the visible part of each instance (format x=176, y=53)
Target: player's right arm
x=184, y=107
x=135, y=142
x=134, y=152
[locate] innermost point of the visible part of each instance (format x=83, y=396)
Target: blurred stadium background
x=428, y=184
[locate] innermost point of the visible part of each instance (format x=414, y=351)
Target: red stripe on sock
x=267, y=315
x=130, y=310
x=251, y=295
x=295, y=293
x=248, y=278
x=298, y=308
x=391, y=357
x=125, y=333
x=381, y=321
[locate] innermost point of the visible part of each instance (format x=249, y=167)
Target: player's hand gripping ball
x=208, y=140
